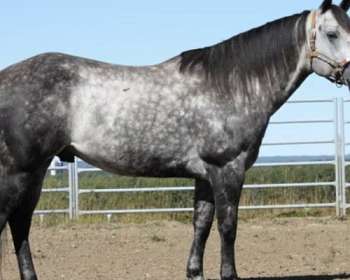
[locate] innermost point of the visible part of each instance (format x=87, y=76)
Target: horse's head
x=329, y=41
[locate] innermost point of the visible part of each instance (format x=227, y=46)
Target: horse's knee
x=227, y=231
x=203, y=215
x=227, y=221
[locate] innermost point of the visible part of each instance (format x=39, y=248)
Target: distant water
x=284, y=159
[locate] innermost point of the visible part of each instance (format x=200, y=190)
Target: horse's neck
x=283, y=84
x=268, y=84
x=284, y=81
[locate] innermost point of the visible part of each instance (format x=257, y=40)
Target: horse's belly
x=134, y=160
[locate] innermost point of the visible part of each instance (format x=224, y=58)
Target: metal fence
x=340, y=185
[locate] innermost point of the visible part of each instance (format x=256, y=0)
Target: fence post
x=73, y=190
x=343, y=155
x=336, y=155
x=339, y=155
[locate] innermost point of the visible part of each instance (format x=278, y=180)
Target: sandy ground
x=297, y=249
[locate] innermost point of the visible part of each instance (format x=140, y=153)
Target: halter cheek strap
x=337, y=67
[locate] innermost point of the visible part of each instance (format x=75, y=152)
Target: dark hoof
x=195, y=278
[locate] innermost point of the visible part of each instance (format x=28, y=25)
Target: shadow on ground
x=302, y=277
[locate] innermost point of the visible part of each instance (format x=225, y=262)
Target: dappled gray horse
x=201, y=115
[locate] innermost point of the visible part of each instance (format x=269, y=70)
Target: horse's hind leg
x=20, y=225
x=20, y=221
x=202, y=222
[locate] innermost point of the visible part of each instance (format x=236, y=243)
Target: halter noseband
x=338, y=69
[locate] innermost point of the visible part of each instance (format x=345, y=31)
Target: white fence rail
x=339, y=162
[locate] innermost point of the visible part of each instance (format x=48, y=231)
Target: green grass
x=258, y=175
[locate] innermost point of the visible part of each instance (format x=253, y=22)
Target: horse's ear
x=345, y=5
x=326, y=5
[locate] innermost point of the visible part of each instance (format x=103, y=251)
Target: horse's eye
x=332, y=35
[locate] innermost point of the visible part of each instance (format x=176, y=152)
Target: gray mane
x=229, y=64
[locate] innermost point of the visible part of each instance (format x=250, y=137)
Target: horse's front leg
x=202, y=221
x=227, y=185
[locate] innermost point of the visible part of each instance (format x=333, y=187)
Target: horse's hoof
x=196, y=278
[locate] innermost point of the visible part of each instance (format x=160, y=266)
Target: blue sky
x=147, y=32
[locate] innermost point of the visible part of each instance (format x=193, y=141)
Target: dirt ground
x=298, y=249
